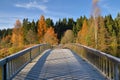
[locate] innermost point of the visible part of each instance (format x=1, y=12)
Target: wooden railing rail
x=105, y=63
x=12, y=64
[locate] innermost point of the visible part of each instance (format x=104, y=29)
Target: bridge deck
x=59, y=64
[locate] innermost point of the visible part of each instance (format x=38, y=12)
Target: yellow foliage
x=82, y=34
x=68, y=37
x=17, y=35
x=50, y=37
x=41, y=28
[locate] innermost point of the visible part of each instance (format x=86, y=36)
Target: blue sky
x=11, y=10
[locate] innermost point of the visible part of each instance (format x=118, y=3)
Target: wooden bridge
x=42, y=62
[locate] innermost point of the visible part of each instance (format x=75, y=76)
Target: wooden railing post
x=30, y=54
x=4, y=73
x=116, y=75
x=39, y=50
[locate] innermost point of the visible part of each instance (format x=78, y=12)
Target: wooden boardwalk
x=59, y=64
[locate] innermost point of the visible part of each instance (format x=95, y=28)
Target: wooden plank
x=59, y=64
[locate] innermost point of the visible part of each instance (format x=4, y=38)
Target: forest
x=102, y=32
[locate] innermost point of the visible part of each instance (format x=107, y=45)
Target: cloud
x=108, y=6
x=8, y=21
x=104, y=4
x=33, y=5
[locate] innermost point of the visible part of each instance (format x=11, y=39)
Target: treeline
x=82, y=31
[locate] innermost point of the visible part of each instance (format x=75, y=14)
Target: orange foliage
x=50, y=36
x=82, y=34
x=17, y=35
x=84, y=30
x=41, y=28
x=21, y=39
x=6, y=39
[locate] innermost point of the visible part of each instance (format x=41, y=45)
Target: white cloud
x=109, y=9
x=108, y=6
x=104, y=4
x=8, y=22
x=33, y=5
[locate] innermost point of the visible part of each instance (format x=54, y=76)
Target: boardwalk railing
x=11, y=65
x=105, y=63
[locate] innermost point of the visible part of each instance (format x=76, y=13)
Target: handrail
x=12, y=64
x=105, y=63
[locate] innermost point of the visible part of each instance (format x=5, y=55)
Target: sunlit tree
x=117, y=24
x=68, y=37
x=17, y=34
x=5, y=41
x=50, y=36
x=83, y=34
x=41, y=28
x=102, y=34
x=32, y=37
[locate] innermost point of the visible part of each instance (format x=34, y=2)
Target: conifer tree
x=83, y=34
x=41, y=28
x=17, y=34
x=50, y=36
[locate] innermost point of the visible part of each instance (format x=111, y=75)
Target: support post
x=4, y=73
x=116, y=76
x=30, y=54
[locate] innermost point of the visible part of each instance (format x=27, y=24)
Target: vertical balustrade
x=105, y=63
x=11, y=65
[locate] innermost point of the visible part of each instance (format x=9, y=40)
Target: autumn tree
x=5, y=37
x=68, y=37
x=83, y=34
x=91, y=33
x=17, y=34
x=41, y=28
x=5, y=41
x=112, y=32
x=32, y=37
x=114, y=39
x=117, y=24
x=50, y=36
x=103, y=36
x=27, y=25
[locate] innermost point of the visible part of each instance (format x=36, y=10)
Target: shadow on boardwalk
x=59, y=64
x=36, y=69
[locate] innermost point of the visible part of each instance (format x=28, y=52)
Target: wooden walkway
x=59, y=64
